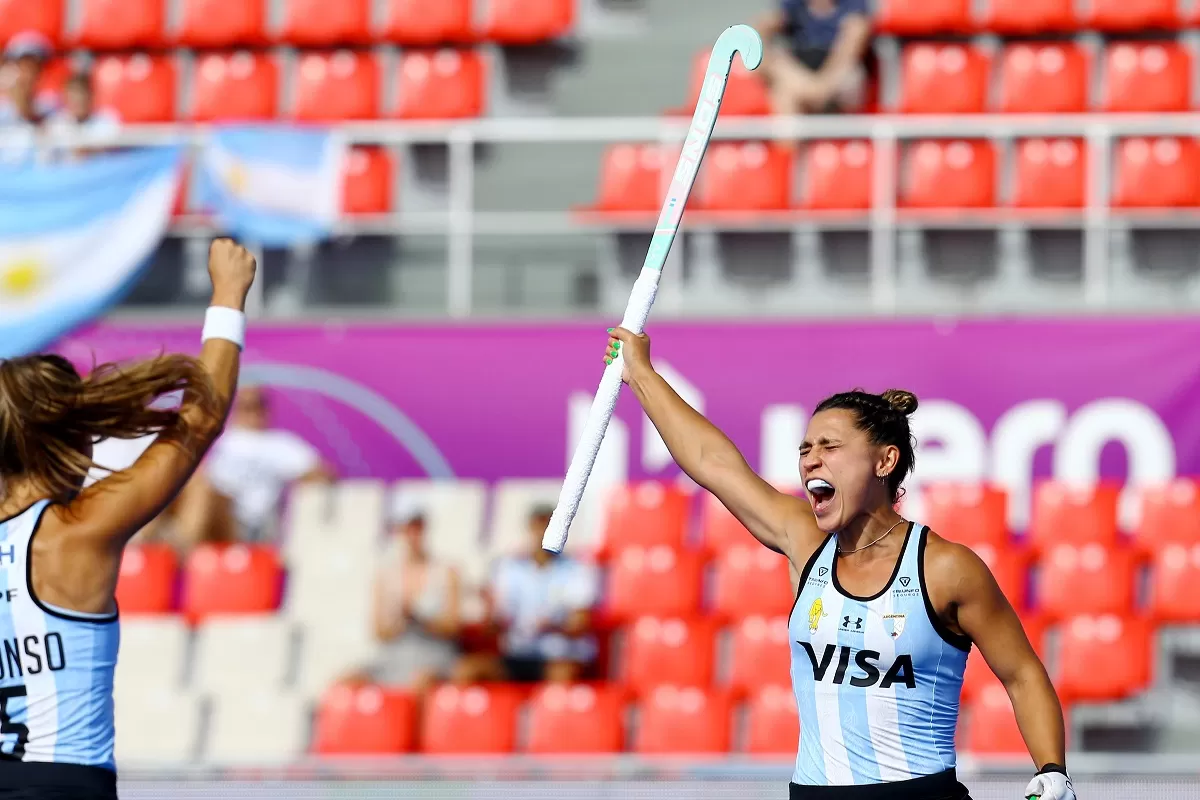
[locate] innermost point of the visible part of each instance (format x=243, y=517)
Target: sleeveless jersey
x=877, y=679
x=56, y=666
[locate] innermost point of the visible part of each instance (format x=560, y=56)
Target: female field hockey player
x=61, y=544
x=886, y=610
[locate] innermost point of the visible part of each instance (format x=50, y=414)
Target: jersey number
x=8, y=727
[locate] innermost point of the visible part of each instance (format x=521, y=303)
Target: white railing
x=461, y=223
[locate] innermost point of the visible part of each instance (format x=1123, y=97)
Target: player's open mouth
x=821, y=492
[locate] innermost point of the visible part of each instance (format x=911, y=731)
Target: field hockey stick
x=738, y=39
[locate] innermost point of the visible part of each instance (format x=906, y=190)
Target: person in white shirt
x=541, y=605
x=252, y=465
x=80, y=129
x=23, y=106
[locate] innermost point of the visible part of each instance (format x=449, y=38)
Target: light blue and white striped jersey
x=56, y=666
x=877, y=679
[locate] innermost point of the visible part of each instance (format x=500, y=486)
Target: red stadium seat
x=745, y=93
x=120, y=24
x=1148, y=77
x=1103, y=658
x=760, y=654
x=750, y=579
x=41, y=16
x=447, y=84
x=221, y=23
x=772, y=722
x=720, y=529
x=231, y=580
x=1008, y=567
x=419, y=22
x=1132, y=16
x=1026, y=17
x=1175, y=584
x=919, y=17
x=1157, y=173
x=991, y=726
x=580, y=718
x=235, y=86
x=146, y=584
x=837, y=176
x=668, y=650
x=470, y=720
x=1050, y=174
x=645, y=514
x=675, y=719
x=958, y=174
x=1072, y=514
x=631, y=178
x=944, y=79
x=1170, y=514
x=1043, y=78
x=325, y=23
x=338, y=86
x=367, y=185
x=967, y=513
x=528, y=21
x=1085, y=579
x=656, y=580
x=139, y=88
x=750, y=176
x=365, y=720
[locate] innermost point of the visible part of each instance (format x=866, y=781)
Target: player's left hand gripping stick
x=739, y=39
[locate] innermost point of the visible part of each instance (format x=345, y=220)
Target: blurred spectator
x=22, y=108
x=248, y=471
x=79, y=120
x=818, y=68
x=542, y=605
x=417, y=615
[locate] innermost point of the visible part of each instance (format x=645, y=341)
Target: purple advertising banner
x=1001, y=401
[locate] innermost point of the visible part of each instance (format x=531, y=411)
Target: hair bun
x=900, y=400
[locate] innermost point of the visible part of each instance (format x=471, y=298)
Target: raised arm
x=778, y=520
x=108, y=513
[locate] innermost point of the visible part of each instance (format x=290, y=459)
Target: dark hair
x=884, y=418
x=50, y=416
x=82, y=80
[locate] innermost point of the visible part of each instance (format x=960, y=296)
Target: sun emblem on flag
x=21, y=278
x=236, y=179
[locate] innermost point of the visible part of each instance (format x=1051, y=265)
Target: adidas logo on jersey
x=901, y=670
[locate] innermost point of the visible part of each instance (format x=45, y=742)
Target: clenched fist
x=232, y=269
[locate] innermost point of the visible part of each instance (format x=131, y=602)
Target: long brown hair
x=50, y=416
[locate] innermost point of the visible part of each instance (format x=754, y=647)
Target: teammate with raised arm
x=61, y=544
x=886, y=610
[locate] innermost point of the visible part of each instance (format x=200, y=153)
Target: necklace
x=842, y=552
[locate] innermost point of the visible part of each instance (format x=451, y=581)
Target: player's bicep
x=115, y=508
x=986, y=616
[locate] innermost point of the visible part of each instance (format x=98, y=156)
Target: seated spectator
x=79, y=120
x=416, y=614
x=541, y=605
x=818, y=67
x=22, y=108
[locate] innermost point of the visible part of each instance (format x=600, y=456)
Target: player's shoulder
x=950, y=561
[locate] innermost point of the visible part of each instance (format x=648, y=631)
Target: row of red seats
x=1032, y=77
x=246, y=86
x=130, y=24
x=590, y=718
x=649, y=513
x=1160, y=172
x=916, y=17
x=214, y=579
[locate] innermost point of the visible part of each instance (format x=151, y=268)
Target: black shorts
x=524, y=670
x=939, y=786
x=33, y=780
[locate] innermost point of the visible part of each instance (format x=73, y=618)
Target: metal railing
x=461, y=222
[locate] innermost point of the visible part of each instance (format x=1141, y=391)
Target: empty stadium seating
x=1073, y=514
x=654, y=580
x=1043, y=78
x=578, y=718
x=914, y=17
x=139, y=88
x=1008, y=565
x=1175, y=584
x=1027, y=17
x=944, y=79
x=475, y=719
x=745, y=177
x=669, y=650
x=759, y=654
x=416, y=22
x=967, y=513
x=1148, y=77
x=221, y=23
x=326, y=23
x=240, y=86
x=120, y=24
x=772, y=722
x=41, y=16
x=1085, y=579
x=367, y=186
x=240, y=579
x=343, y=85
x=147, y=581
x=990, y=727
x=954, y=174
x=684, y=719
x=631, y=178
x=527, y=21
x=645, y=514
x=1170, y=514
x=1132, y=16
x=837, y=176
x=750, y=579
x=1093, y=667
x=1050, y=174
x=365, y=719
x=445, y=84
x=745, y=94
x=1159, y=172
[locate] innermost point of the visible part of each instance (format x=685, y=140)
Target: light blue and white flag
x=271, y=185
x=75, y=237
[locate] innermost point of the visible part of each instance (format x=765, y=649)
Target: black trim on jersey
x=938, y=786
x=106, y=619
x=956, y=640
x=19, y=513
x=895, y=571
x=812, y=560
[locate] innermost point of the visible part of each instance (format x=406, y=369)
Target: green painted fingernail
x=616, y=345
x=608, y=361
x=610, y=330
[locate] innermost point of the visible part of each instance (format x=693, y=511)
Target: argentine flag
x=75, y=237
x=271, y=185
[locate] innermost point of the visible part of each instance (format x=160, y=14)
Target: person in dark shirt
x=815, y=52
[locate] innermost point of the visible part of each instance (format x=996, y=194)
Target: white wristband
x=224, y=323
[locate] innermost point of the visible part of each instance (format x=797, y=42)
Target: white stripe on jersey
x=882, y=718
